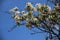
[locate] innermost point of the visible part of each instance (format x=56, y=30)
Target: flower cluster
x=46, y=15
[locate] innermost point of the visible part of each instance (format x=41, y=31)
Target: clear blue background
x=6, y=22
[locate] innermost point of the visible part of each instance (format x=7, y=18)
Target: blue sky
x=19, y=33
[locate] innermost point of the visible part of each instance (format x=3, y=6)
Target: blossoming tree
x=47, y=20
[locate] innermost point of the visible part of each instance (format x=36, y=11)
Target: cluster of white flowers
x=28, y=16
x=41, y=17
x=40, y=6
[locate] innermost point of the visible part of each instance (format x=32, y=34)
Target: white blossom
x=38, y=5
x=16, y=17
x=17, y=12
x=49, y=8
x=33, y=19
x=14, y=9
x=29, y=6
x=24, y=15
x=34, y=9
x=23, y=12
